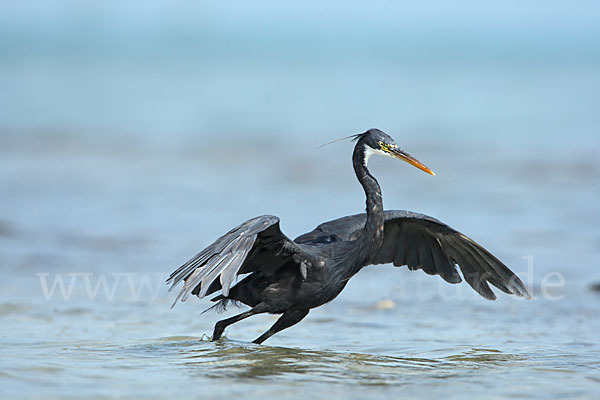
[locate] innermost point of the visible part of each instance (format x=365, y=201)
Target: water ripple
x=233, y=359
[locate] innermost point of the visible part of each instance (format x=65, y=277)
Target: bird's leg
x=221, y=325
x=288, y=319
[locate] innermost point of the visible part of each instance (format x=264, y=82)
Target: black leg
x=221, y=325
x=288, y=319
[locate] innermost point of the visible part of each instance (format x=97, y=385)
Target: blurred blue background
x=173, y=72
x=134, y=133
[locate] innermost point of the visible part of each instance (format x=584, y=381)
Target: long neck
x=371, y=236
x=359, y=253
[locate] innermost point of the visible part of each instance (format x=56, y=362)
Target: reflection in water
x=234, y=359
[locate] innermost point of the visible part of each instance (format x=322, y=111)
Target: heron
x=277, y=275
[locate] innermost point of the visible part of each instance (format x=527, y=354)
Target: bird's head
x=375, y=141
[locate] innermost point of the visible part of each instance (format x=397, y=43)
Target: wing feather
x=422, y=242
x=257, y=244
x=399, y=257
x=410, y=250
x=445, y=266
x=490, y=273
x=473, y=273
x=424, y=249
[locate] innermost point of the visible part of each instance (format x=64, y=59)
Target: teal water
x=131, y=137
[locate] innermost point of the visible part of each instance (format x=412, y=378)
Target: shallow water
x=109, y=331
x=118, y=163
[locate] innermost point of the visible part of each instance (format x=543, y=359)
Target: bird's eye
x=384, y=146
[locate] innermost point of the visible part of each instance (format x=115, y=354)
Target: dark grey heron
x=291, y=277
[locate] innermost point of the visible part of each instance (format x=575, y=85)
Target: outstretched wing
x=257, y=244
x=423, y=242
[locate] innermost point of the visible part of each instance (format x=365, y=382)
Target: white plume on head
x=353, y=137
